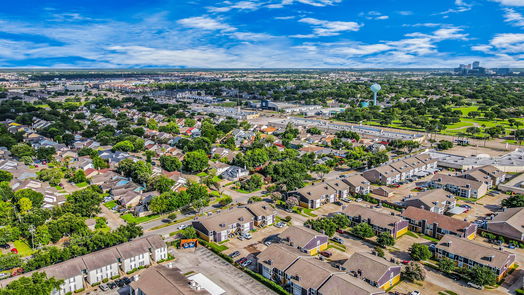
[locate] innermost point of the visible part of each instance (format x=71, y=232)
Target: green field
x=23, y=248
x=109, y=205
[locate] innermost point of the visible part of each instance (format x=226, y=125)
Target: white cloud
x=242, y=5
x=205, y=23
x=511, y=2
x=507, y=43
x=361, y=50
x=374, y=15
x=327, y=28
x=405, y=12
x=316, y=3
x=284, y=17
x=513, y=17
x=461, y=7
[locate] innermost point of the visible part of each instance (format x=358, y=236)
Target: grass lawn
x=308, y=212
x=42, y=106
x=130, y=218
x=23, y=248
x=218, y=247
x=82, y=184
x=465, y=110
x=110, y=204
x=202, y=174
x=244, y=191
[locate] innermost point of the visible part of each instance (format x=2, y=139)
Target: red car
x=406, y=261
x=326, y=254
x=340, y=231
x=14, y=250
x=242, y=260
x=395, y=185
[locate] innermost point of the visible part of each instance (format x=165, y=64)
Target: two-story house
x=379, y=221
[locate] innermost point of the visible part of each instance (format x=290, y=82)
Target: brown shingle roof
x=372, y=267
x=344, y=284
x=474, y=251
x=377, y=218
x=299, y=236
x=279, y=256
x=160, y=280
x=228, y=217
x=444, y=222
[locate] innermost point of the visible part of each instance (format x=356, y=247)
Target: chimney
x=269, y=261
x=297, y=277
x=450, y=243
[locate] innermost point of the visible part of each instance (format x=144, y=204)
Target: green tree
x=189, y=233
x=385, y=239
x=51, y=175
x=446, y=265
x=9, y=261
x=444, y=145
x=22, y=150
x=161, y=203
x=189, y=122
x=124, y=146
x=161, y=183
x=481, y=275
x=25, y=205
x=420, y=252
x=42, y=236
x=79, y=176
x=5, y=176
x=45, y=153
x=513, y=201
x=36, y=198
x=170, y=163
x=363, y=230
x=253, y=183
x=196, y=161
x=414, y=272
x=36, y=284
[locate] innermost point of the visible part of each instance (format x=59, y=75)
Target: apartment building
x=358, y=185
x=437, y=225
x=379, y=221
x=101, y=265
x=437, y=201
x=222, y=226
x=459, y=186
x=509, y=223
x=304, y=239
x=466, y=253
x=488, y=174
x=162, y=280
x=385, y=175
x=374, y=270
x=314, y=196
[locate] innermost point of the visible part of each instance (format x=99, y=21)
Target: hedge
x=519, y=291
x=268, y=283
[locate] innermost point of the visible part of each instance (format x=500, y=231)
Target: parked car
x=242, y=260
x=183, y=226
x=338, y=203
x=104, y=287
x=4, y=246
x=415, y=293
x=234, y=254
x=338, y=240
x=406, y=261
x=340, y=231
x=247, y=236
x=126, y=280
x=345, y=200
x=473, y=285
x=246, y=263
x=120, y=283
x=267, y=243
x=280, y=224
x=326, y=254
x=359, y=200
x=394, y=185
x=111, y=285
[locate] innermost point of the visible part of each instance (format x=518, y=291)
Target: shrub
x=105, y=280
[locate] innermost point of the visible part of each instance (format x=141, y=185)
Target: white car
x=247, y=236
x=414, y=293
x=182, y=226
x=267, y=243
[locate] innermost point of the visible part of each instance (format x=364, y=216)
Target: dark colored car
x=326, y=254
x=120, y=283
x=234, y=254
x=4, y=246
x=126, y=280
x=111, y=285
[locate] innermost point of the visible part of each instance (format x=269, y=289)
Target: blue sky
x=261, y=33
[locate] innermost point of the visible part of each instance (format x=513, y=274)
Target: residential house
x=459, y=186
x=134, y=255
x=222, y=226
x=437, y=200
x=437, y=225
x=316, y=195
x=382, y=175
x=379, y=221
x=509, y=223
x=358, y=185
x=304, y=239
x=375, y=270
x=428, y=162
x=234, y=173
x=466, y=253
x=219, y=167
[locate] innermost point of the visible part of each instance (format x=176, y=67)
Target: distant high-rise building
x=476, y=64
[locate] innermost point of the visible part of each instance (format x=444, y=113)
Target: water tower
x=375, y=88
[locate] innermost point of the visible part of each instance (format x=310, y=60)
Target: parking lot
x=228, y=277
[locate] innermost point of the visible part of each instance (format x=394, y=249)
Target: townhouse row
x=401, y=170
x=103, y=264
